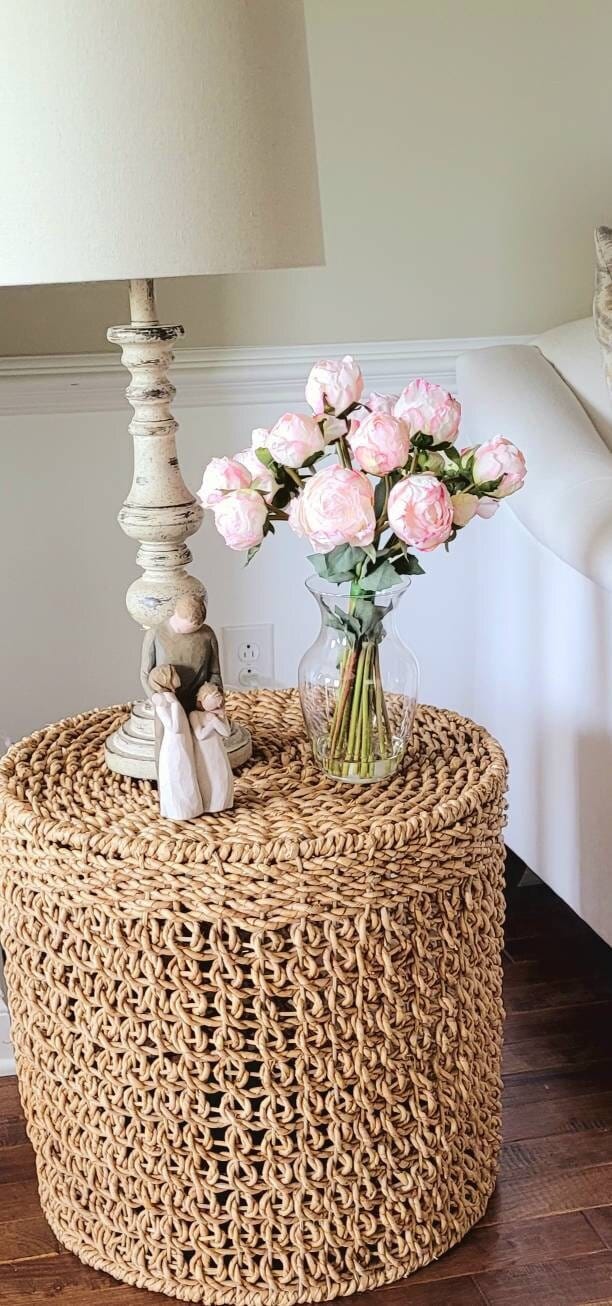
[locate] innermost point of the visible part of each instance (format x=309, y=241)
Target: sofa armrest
x=567, y=499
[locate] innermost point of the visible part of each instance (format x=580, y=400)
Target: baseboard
x=66, y=383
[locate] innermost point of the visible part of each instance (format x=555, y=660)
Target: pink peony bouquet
x=371, y=481
x=398, y=484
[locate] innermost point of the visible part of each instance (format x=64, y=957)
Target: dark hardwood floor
x=547, y=1235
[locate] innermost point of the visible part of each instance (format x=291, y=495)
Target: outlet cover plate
x=247, y=656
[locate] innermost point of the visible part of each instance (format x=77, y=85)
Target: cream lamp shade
x=155, y=138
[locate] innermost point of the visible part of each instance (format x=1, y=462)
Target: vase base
x=358, y=772
x=130, y=750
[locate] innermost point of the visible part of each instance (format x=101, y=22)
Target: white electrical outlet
x=247, y=656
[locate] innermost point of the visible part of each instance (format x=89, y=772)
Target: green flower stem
x=382, y=522
x=384, y=729
x=359, y=733
x=343, y=449
x=365, y=710
x=355, y=706
x=343, y=703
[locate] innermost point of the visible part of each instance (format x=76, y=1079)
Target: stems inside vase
x=360, y=735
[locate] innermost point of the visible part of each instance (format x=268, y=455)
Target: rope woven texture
x=259, y=1053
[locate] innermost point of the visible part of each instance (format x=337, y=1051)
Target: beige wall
x=465, y=155
x=68, y=642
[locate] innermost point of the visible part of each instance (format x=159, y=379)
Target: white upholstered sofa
x=543, y=626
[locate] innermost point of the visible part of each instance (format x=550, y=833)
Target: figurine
x=180, y=670
x=209, y=728
x=189, y=645
x=179, y=795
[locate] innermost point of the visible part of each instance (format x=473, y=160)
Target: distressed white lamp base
x=160, y=512
x=131, y=749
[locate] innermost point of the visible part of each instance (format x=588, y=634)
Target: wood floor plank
x=536, y=911
x=549, y=1039
x=579, y=1281
x=600, y=1219
x=544, y=1176
x=50, y=1278
x=532, y=1196
x=591, y=1112
x=107, y=1293
x=12, y=1127
x=561, y=965
x=551, y=995
x=586, y=947
x=555, y=1155
x=118, y=1295
x=19, y=1198
x=557, y=1084
x=445, y=1292
x=17, y=1164
x=572, y=1020
x=24, y=1239
x=521, y=1243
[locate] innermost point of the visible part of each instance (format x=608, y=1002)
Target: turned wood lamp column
x=160, y=512
x=202, y=163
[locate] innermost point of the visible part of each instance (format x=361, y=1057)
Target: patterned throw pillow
x=602, y=302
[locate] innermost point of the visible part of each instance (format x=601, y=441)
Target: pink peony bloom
x=240, y=518
x=293, y=439
x=259, y=437
x=421, y=511
x=380, y=443
x=221, y=475
x=428, y=408
x=261, y=477
x=499, y=457
x=334, y=383
x=335, y=507
x=378, y=403
x=465, y=506
x=487, y=507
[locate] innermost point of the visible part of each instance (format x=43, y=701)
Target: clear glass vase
x=358, y=683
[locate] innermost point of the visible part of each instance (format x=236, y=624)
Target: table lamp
x=144, y=139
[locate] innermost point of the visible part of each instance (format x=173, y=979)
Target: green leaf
x=370, y=616
x=380, y=498
x=350, y=620
x=319, y=563
x=251, y=554
x=344, y=559
x=408, y=565
x=488, y=487
x=339, y=565
x=314, y=458
x=332, y=620
x=383, y=577
x=283, y=496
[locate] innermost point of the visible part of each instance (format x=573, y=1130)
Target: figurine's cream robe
x=179, y=795
x=213, y=769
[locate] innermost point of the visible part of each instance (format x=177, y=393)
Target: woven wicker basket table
x=258, y=1054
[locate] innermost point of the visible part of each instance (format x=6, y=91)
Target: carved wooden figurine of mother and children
x=181, y=674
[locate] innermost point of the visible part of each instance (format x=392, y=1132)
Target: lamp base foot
x=130, y=750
